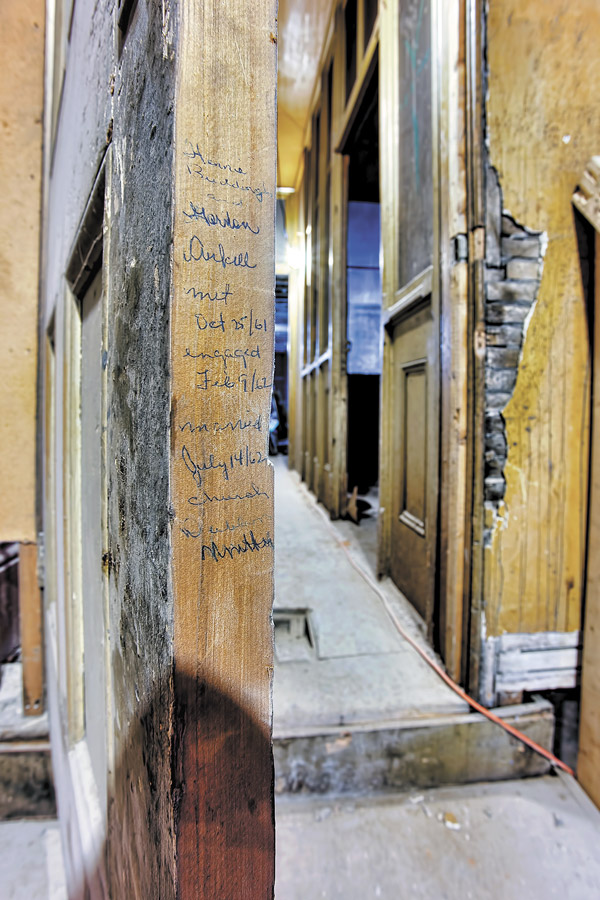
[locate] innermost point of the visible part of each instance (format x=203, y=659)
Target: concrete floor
x=31, y=865
x=359, y=670
x=536, y=839
x=532, y=838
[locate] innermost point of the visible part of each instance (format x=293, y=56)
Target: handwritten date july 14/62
x=242, y=458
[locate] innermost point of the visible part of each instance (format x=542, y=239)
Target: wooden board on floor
x=30, y=609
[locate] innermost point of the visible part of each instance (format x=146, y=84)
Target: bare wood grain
x=222, y=483
x=30, y=609
x=588, y=767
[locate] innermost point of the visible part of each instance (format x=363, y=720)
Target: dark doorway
x=363, y=287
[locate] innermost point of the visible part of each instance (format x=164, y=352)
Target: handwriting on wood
x=222, y=339
x=223, y=358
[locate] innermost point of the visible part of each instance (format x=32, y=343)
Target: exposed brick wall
x=514, y=257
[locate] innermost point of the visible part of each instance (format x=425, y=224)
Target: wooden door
x=410, y=392
x=412, y=348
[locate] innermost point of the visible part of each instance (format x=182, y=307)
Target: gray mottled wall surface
x=140, y=848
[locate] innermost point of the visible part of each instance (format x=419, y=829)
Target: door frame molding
x=469, y=670
x=451, y=298
x=586, y=203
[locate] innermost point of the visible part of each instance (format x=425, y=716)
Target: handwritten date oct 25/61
x=249, y=323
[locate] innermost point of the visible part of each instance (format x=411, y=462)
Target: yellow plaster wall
x=21, y=103
x=544, y=124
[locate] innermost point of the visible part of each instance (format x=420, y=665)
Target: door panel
x=413, y=481
x=410, y=391
x=414, y=487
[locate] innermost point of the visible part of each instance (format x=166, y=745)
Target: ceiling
x=302, y=29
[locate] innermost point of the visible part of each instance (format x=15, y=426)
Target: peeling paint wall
x=542, y=119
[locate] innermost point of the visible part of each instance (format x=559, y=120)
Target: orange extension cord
x=554, y=760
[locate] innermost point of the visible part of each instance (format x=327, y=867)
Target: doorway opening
x=364, y=351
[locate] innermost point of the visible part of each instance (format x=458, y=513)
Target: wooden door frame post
x=476, y=210
x=221, y=480
x=587, y=201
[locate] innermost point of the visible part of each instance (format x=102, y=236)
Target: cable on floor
x=554, y=760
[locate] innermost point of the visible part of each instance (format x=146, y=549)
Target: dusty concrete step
x=26, y=782
x=412, y=753
x=533, y=839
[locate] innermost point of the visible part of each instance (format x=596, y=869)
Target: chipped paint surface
x=543, y=76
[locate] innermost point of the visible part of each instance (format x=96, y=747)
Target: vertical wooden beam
x=222, y=483
x=338, y=395
x=588, y=765
x=475, y=149
x=389, y=141
x=449, y=73
x=30, y=610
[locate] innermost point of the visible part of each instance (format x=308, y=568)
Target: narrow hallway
x=373, y=753
x=355, y=707
x=352, y=667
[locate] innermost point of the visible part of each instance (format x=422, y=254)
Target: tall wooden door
x=413, y=354
x=410, y=408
